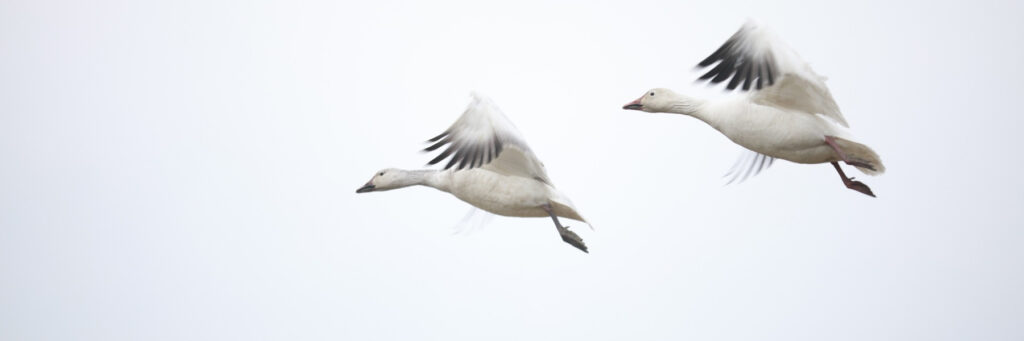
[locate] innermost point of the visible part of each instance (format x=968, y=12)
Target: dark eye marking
x=652, y=93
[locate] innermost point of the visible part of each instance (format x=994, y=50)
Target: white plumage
x=787, y=111
x=490, y=167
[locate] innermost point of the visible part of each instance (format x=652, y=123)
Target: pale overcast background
x=185, y=170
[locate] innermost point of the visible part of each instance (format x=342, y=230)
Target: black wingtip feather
x=455, y=158
x=760, y=76
x=462, y=164
x=477, y=157
x=738, y=64
x=442, y=156
x=748, y=76
x=487, y=154
x=734, y=81
x=466, y=156
x=722, y=50
x=436, y=145
x=727, y=68
x=438, y=137
x=707, y=75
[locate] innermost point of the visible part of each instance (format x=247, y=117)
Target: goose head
x=383, y=180
x=654, y=100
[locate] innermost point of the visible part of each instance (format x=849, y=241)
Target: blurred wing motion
x=484, y=137
x=754, y=60
x=475, y=220
x=750, y=163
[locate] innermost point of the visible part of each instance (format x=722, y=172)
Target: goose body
x=771, y=131
x=511, y=196
x=785, y=110
x=490, y=167
x=506, y=195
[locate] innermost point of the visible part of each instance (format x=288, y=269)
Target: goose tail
x=862, y=153
x=564, y=208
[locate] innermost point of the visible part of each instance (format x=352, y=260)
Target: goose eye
x=381, y=174
x=652, y=94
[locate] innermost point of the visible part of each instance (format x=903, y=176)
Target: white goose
x=491, y=167
x=788, y=113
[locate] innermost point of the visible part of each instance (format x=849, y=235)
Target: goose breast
x=500, y=194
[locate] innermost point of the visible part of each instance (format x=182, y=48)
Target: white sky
x=186, y=169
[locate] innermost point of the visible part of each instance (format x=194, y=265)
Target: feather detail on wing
x=475, y=220
x=773, y=73
x=484, y=137
x=750, y=163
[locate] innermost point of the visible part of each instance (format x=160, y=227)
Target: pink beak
x=634, y=105
x=368, y=187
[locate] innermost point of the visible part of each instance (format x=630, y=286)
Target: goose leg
x=831, y=140
x=567, y=236
x=851, y=184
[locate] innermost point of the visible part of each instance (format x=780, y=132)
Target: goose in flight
x=786, y=111
x=490, y=167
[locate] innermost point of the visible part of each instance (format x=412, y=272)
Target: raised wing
x=750, y=163
x=775, y=74
x=484, y=137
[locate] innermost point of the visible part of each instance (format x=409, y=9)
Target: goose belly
x=500, y=194
x=796, y=137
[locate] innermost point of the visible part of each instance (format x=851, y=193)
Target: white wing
x=750, y=163
x=776, y=74
x=475, y=220
x=484, y=137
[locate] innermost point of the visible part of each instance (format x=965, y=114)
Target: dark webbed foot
x=851, y=184
x=859, y=187
x=567, y=236
x=572, y=238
